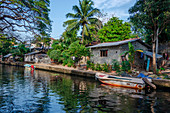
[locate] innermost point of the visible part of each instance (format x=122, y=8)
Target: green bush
x=98, y=67
x=92, y=66
x=125, y=66
x=162, y=68
x=88, y=64
x=65, y=62
x=115, y=65
x=105, y=67
x=69, y=64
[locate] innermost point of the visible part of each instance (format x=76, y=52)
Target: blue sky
x=59, y=8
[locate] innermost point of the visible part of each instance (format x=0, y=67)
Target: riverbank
x=57, y=68
x=77, y=71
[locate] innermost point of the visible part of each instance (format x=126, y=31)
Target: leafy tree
x=78, y=50
x=83, y=17
x=20, y=51
x=115, y=30
x=55, y=54
x=5, y=45
x=153, y=16
x=23, y=16
x=69, y=37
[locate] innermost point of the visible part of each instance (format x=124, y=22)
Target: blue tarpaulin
x=141, y=75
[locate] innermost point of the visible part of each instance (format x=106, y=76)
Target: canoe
x=127, y=82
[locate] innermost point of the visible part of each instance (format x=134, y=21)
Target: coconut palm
x=83, y=17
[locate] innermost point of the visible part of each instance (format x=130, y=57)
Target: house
x=37, y=57
x=8, y=57
x=30, y=57
x=106, y=52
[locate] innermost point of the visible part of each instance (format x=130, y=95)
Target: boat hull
x=123, y=84
x=126, y=82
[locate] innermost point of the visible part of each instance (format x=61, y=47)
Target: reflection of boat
x=123, y=90
x=127, y=82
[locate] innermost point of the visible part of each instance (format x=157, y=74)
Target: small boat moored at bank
x=29, y=66
x=128, y=82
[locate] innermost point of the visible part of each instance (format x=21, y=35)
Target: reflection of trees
x=18, y=91
x=73, y=94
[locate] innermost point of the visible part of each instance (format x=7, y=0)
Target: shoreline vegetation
x=77, y=71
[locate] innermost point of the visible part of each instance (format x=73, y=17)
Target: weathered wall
x=113, y=53
x=136, y=45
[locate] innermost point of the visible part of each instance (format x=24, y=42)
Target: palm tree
x=83, y=17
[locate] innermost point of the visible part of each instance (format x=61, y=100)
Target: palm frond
x=86, y=30
x=93, y=12
x=70, y=15
x=93, y=20
x=77, y=10
x=73, y=26
x=69, y=22
x=96, y=22
x=89, y=6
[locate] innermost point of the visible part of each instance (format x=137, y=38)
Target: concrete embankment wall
x=56, y=68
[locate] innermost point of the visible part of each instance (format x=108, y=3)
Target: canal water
x=26, y=91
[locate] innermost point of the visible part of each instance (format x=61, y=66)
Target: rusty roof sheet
x=108, y=44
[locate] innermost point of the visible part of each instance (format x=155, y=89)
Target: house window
x=103, y=53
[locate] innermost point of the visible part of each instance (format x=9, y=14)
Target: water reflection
x=24, y=90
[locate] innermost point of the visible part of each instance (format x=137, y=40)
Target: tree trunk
x=154, y=56
x=155, y=50
x=83, y=35
x=157, y=41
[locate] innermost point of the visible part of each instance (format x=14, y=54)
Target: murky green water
x=25, y=91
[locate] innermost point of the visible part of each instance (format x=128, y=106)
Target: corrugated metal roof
x=108, y=44
x=32, y=53
x=8, y=55
x=151, y=54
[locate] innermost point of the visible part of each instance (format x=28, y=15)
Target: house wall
x=29, y=58
x=136, y=45
x=113, y=53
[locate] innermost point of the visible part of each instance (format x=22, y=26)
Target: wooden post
x=149, y=83
x=148, y=62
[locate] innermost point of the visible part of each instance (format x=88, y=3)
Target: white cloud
x=117, y=8
x=119, y=13
x=107, y=4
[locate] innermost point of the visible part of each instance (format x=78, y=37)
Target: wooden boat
x=128, y=82
x=162, y=82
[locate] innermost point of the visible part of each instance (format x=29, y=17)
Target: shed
x=8, y=57
x=30, y=57
x=106, y=52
